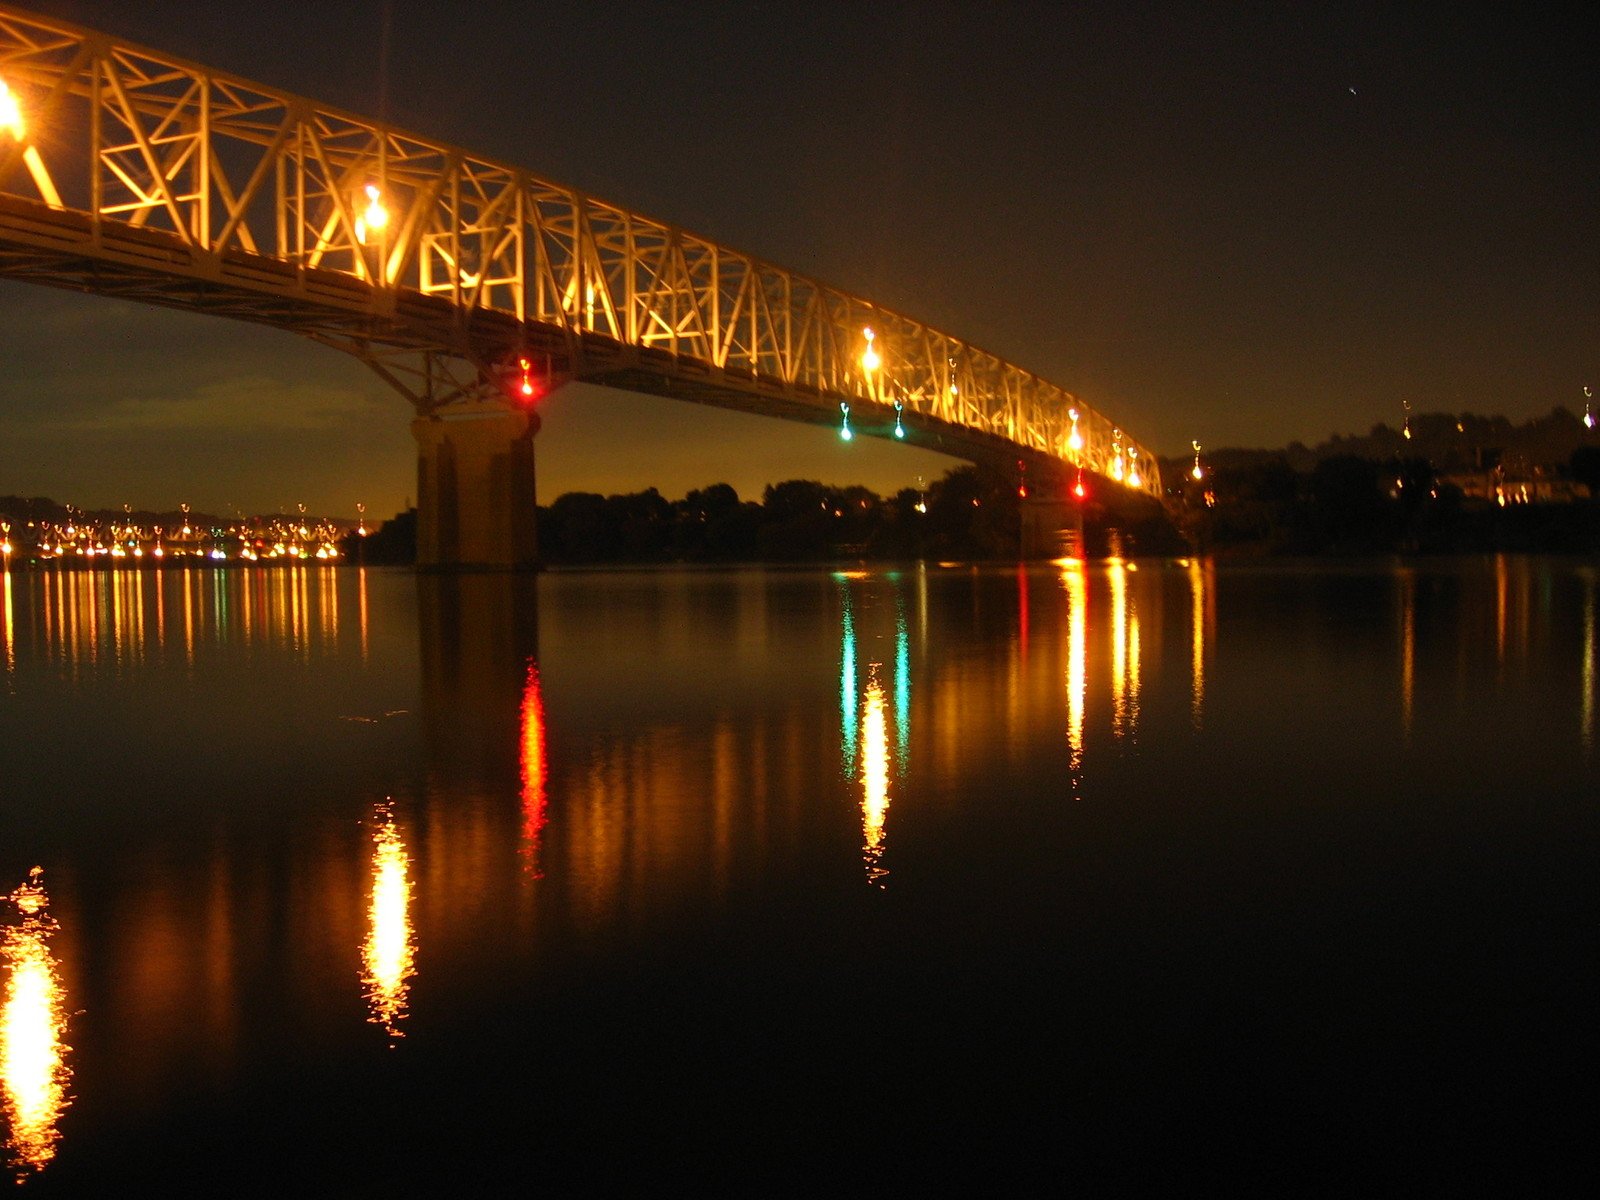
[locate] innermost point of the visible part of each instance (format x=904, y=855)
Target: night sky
x=1244, y=224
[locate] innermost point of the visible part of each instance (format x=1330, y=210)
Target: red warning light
x=1022, y=490
x=524, y=385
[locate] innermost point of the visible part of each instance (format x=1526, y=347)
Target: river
x=352, y=882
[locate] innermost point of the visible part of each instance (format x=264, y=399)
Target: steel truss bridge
x=462, y=281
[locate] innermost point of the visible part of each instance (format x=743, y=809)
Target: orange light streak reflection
x=33, y=1067
x=10, y=628
x=389, y=953
x=535, y=770
x=1124, y=668
x=1502, y=581
x=874, y=778
x=1408, y=650
x=361, y=578
x=1587, y=717
x=1077, y=668
x=1197, y=641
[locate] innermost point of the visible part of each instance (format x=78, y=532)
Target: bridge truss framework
x=129, y=172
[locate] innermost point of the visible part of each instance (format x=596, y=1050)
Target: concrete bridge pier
x=476, y=508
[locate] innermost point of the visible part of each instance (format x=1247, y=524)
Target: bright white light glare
x=374, y=217
x=870, y=361
x=11, y=113
x=377, y=216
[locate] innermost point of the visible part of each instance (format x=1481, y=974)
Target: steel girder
x=127, y=171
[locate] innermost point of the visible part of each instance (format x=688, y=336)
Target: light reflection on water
x=1408, y=648
x=864, y=712
x=1202, y=585
x=389, y=951
x=33, y=1017
x=874, y=777
x=1077, y=667
x=1124, y=696
x=645, y=753
x=535, y=770
x=1587, y=681
x=121, y=617
x=847, y=679
x=9, y=630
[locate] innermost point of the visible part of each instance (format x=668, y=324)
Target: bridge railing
x=226, y=168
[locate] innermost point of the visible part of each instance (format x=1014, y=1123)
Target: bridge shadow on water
x=478, y=643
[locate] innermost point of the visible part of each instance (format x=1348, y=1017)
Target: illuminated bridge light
x=33, y=1018
x=374, y=218
x=1074, y=439
x=11, y=113
x=845, y=433
x=870, y=359
x=13, y=122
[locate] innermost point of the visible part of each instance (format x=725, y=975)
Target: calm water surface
x=355, y=883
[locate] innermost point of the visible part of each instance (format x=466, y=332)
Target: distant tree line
x=1450, y=442
x=1351, y=505
x=970, y=513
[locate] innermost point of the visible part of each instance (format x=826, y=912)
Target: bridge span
x=471, y=286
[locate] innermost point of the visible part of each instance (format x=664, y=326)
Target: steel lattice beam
x=131, y=172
